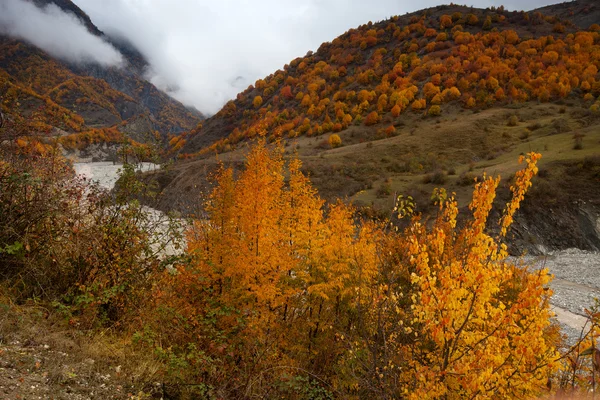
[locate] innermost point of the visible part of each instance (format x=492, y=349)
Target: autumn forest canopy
x=428, y=63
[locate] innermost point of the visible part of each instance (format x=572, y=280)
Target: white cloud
x=58, y=33
x=205, y=52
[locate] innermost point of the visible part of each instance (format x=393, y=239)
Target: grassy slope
x=459, y=142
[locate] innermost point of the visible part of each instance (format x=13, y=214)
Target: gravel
x=576, y=285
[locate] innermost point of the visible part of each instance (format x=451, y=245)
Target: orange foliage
x=479, y=68
x=372, y=119
x=420, y=104
x=445, y=21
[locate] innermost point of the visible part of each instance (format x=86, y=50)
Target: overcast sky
x=205, y=52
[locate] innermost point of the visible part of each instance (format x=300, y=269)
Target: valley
x=410, y=210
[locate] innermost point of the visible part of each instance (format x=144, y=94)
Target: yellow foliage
x=257, y=102
x=419, y=104
x=434, y=311
x=334, y=141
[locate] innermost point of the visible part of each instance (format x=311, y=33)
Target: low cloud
x=58, y=33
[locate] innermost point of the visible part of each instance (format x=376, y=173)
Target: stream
x=106, y=173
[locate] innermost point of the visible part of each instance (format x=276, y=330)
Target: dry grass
x=56, y=360
x=458, y=140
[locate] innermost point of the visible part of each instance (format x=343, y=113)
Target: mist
x=60, y=34
x=205, y=52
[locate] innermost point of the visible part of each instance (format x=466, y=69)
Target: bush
x=524, y=135
x=438, y=177
x=384, y=190
x=434, y=111
x=513, y=120
x=334, y=141
x=466, y=179
x=63, y=239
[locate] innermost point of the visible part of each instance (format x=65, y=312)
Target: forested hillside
x=87, y=103
x=430, y=62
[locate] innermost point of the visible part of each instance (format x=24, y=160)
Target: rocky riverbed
x=576, y=285
x=106, y=173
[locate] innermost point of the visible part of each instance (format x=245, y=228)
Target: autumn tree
x=445, y=21
x=286, y=92
x=372, y=118
x=270, y=272
x=450, y=314
x=419, y=104
x=334, y=141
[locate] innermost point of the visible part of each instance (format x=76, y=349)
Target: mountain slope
x=436, y=98
x=93, y=102
x=443, y=57
x=582, y=13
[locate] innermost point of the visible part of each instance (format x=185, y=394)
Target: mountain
x=87, y=102
x=485, y=57
x=429, y=99
x=582, y=13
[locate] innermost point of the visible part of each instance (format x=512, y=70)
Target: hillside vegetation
x=83, y=104
x=424, y=100
x=429, y=63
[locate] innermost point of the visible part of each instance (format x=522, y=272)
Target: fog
x=58, y=33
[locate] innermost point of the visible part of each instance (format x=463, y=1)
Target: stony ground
x=576, y=285
x=41, y=357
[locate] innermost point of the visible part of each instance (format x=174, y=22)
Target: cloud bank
x=205, y=52
x=58, y=33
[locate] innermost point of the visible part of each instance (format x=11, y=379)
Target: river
x=106, y=173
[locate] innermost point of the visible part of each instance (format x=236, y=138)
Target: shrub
x=466, y=179
x=561, y=125
x=434, y=111
x=513, y=120
x=437, y=177
x=334, y=141
x=372, y=118
x=534, y=127
x=578, y=141
x=62, y=239
x=384, y=190
x=419, y=104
